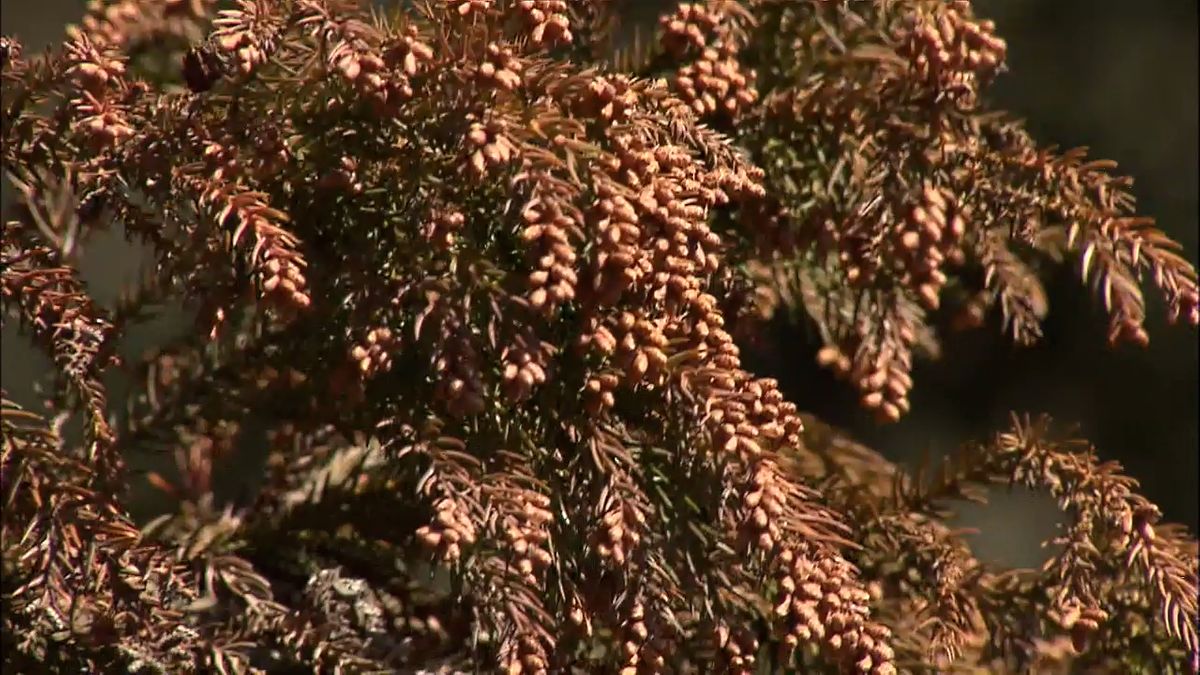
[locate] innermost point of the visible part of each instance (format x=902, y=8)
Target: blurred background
x=1121, y=78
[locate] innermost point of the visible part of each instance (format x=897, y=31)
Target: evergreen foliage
x=479, y=266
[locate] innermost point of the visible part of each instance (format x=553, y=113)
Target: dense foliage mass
x=469, y=273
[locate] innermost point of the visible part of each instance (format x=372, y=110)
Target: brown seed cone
x=450, y=530
x=821, y=601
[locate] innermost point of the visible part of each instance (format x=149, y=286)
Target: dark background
x=1119, y=77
